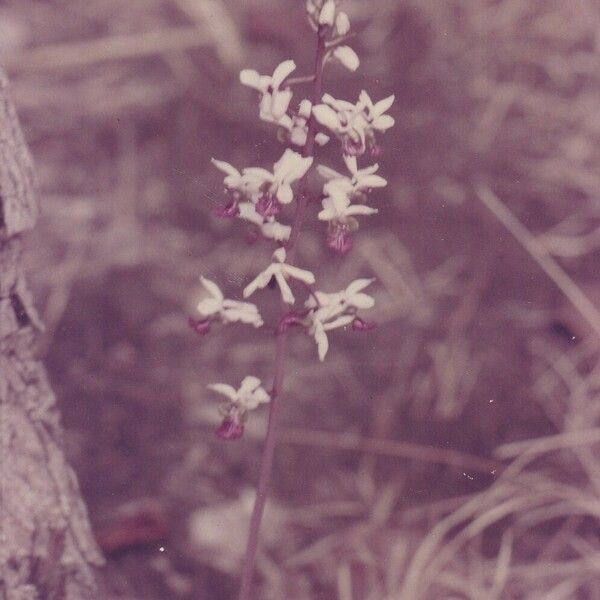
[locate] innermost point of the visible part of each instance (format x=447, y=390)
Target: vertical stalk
x=266, y=466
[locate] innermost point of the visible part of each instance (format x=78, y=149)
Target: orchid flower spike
x=274, y=101
x=228, y=311
x=280, y=271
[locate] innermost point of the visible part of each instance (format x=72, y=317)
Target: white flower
x=248, y=396
x=269, y=227
x=275, y=231
x=296, y=127
x=362, y=179
x=274, y=101
x=288, y=169
x=327, y=14
x=375, y=112
x=331, y=311
x=354, y=124
x=234, y=180
x=229, y=311
x=329, y=305
x=354, y=296
x=337, y=206
x=281, y=271
x=347, y=57
x=342, y=23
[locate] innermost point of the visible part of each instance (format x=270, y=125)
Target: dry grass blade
x=357, y=443
x=539, y=253
x=118, y=47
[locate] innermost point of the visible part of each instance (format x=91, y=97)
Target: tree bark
x=47, y=550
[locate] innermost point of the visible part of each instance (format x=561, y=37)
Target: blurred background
x=453, y=452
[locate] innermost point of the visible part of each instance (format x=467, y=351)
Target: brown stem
x=266, y=466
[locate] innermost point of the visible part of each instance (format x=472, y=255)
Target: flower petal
x=347, y=57
x=342, y=23
x=224, y=389
x=371, y=181
x=327, y=14
x=282, y=71
x=360, y=209
x=297, y=273
x=326, y=116
x=251, y=78
x=321, y=339
x=247, y=212
x=339, y=322
x=383, y=122
x=212, y=288
x=260, y=281
x=248, y=385
x=382, y=106
x=276, y=231
x=358, y=285
x=279, y=255
x=280, y=102
x=284, y=288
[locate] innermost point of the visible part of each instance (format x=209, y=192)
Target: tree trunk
x=47, y=551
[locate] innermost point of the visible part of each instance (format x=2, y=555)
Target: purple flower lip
x=268, y=206
x=340, y=241
x=200, y=326
x=229, y=430
x=353, y=148
x=229, y=211
x=375, y=150
x=290, y=320
x=360, y=325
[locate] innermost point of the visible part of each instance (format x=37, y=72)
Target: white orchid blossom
x=234, y=180
x=296, y=127
x=288, y=169
x=274, y=101
x=248, y=396
x=331, y=311
x=229, y=311
x=356, y=123
x=361, y=180
x=375, y=113
x=269, y=227
x=280, y=271
x=346, y=56
x=318, y=330
x=337, y=206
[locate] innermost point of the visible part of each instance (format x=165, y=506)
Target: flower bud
x=347, y=57
x=327, y=14
x=342, y=24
